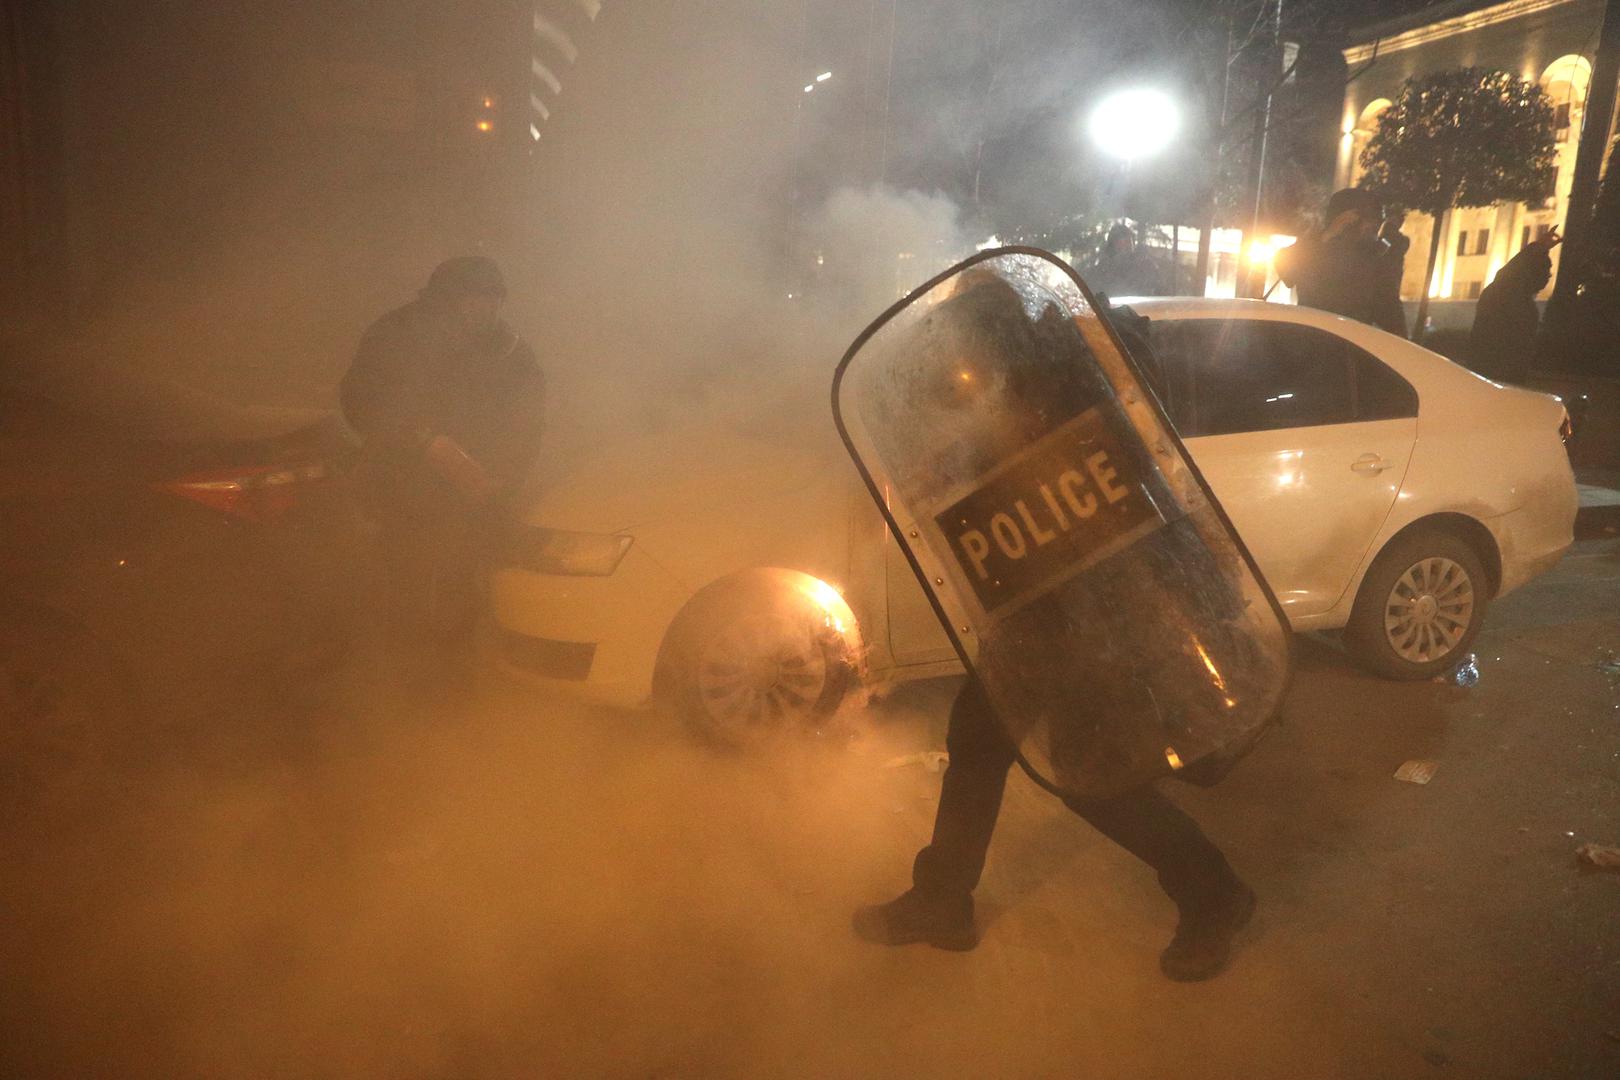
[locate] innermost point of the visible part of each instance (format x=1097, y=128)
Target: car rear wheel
x=750, y=663
x=1420, y=606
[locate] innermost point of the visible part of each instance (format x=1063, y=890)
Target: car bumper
x=1534, y=537
x=590, y=638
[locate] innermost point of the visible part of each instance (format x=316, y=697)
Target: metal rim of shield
x=1252, y=647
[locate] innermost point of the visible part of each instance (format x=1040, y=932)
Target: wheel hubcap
x=1429, y=610
x=761, y=675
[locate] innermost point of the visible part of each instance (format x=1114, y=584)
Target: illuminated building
x=1547, y=41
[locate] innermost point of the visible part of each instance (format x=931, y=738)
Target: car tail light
x=261, y=493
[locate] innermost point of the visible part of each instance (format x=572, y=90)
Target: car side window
x=1174, y=343
x=1381, y=394
x=1241, y=375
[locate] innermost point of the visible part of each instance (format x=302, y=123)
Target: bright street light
x=1132, y=124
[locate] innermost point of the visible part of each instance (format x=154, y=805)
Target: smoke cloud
x=508, y=891
x=510, y=886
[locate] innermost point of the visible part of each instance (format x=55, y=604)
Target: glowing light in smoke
x=831, y=603
x=1137, y=123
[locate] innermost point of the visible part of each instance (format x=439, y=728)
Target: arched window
x=1565, y=82
x=1366, y=124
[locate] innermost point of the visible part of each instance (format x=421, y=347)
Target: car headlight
x=558, y=551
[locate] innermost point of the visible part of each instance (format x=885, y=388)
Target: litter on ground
x=1417, y=772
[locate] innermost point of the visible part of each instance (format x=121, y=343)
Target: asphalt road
x=513, y=887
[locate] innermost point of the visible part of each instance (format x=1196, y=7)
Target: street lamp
x=1132, y=124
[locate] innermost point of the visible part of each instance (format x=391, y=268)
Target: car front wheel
x=751, y=663
x=1420, y=606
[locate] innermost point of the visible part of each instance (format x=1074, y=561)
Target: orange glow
x=489, y=103
x=486, y=125
x=835, y=610
x=1203, y=654
x=1172, y=757
x=1214, y=674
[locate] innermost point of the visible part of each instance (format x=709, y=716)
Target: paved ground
x=525, y=889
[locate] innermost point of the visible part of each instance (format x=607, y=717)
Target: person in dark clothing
x=449, y=402
x=1123, y=269
x=1214, y=904
x=938, y=908
x=1390, y=315
x=1503, y=339
x=1348, y=268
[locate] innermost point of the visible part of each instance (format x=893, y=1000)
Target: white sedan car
x=746, y=579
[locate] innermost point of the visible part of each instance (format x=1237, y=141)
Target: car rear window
x=1225, y=376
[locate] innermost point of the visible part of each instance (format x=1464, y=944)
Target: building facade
x=188, y=140
x=1550, y=42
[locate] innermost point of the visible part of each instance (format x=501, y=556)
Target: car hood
x=675, y=474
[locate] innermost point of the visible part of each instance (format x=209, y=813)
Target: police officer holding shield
x=1214, y=904
x=1018, y=437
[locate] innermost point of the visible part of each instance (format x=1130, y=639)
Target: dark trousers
x=432, y=570
x=1191, y=870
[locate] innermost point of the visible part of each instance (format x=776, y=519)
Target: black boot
x=1203, y=942
x=944, y=921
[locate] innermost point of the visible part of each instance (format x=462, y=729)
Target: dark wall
x=250, y=178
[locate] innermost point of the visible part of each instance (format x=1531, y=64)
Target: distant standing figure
x=1503, y=339
x=1392, y=264
x=1123, y=269
x=1348, y=268
x=449, y=402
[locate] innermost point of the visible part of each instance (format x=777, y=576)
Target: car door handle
x=1370, y=464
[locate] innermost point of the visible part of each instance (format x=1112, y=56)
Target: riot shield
x=1068, y=543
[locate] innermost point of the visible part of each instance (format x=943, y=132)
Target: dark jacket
x=1131, y=273
x=1503, y=339
x=1348, y=276
x=1389, y=313
x=418, y=374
